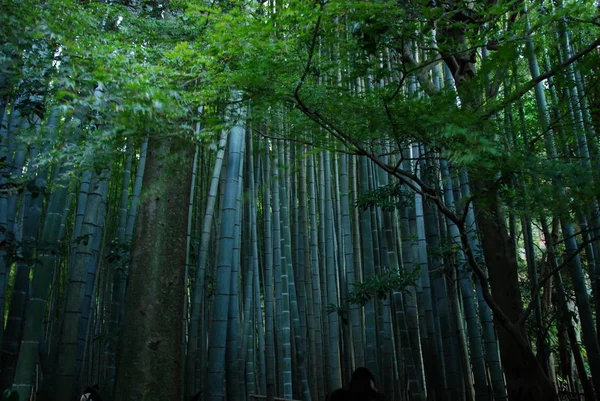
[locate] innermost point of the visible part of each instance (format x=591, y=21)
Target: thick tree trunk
x=150, y=362
x=525, y=379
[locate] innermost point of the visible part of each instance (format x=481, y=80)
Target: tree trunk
x=216, y=379
x=194, y=347
x=315, y=295
x=525, y=379
x=36, y=307
x=84, y=256
x=150, y=362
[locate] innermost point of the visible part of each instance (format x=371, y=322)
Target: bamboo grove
x=212, y=200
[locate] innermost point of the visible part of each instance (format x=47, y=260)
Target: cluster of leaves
x=210, y=282
x=13, y=248
x=387, y=197
x=381, y=285
x=117, y=254
x=378, y=286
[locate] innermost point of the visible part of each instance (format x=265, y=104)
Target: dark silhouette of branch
x=405, y=177
x=311, y=53
x=540, y=78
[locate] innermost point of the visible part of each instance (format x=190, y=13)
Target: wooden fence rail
x=264, y=397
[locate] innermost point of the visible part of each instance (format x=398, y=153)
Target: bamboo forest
x=240, y=200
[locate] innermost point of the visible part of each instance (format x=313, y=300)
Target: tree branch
x=547, y=277
x=540, y=78
x=311, y=53
x=406, y=177
x=421, y=70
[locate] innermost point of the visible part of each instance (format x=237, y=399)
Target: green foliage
x=210, y=282
x=378, y=286
x=381, y=285
x=388, y=197
x=117, y=254
x=116, y=71
x=159, y=65
x=156, y=66
x=106, y=67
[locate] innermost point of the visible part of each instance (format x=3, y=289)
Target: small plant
x=377, y=286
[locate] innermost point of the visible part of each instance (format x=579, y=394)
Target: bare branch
x=421, y=70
